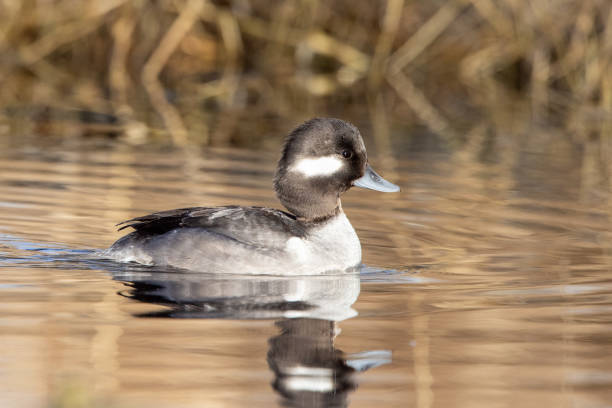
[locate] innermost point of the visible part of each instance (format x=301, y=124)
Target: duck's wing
x=250, y=225
x=159, y=222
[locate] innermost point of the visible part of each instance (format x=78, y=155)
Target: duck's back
x=250, y=225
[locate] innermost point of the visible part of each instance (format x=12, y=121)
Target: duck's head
x=321, y=159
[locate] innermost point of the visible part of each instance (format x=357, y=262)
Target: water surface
x=487, y=283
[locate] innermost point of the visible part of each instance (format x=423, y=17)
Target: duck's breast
x=334, y=245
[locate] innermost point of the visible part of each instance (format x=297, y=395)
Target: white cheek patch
x=316, y=167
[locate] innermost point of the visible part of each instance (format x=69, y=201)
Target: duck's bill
x=373, y=181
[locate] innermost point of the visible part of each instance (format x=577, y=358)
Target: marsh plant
x=233, y=72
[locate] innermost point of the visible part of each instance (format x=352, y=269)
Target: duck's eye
x=347, y=154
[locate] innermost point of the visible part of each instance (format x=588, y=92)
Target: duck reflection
x=309, y=370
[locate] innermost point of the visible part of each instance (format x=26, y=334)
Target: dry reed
x=231, y=72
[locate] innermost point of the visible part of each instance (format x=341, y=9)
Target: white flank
x=316, y=167
x=298, y=249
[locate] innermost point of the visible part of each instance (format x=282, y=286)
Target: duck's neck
x=322, y=218
x=310, y=201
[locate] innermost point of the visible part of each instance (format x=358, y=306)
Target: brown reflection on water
x=505, y=299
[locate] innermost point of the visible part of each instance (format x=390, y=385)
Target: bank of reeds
x=208, y=72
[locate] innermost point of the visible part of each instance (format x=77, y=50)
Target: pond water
x=487, y=284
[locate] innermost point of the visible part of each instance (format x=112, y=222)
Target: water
x=487, y=284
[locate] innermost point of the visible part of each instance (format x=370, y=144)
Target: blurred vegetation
x=234, y=72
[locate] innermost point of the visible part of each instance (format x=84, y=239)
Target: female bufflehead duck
x=321, y=159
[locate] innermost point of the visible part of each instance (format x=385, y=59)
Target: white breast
x=332, y=246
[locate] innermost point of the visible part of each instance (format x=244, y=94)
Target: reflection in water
x=201, y=295
x=309, y=370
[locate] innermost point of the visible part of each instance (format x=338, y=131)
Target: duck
x=321, y=159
